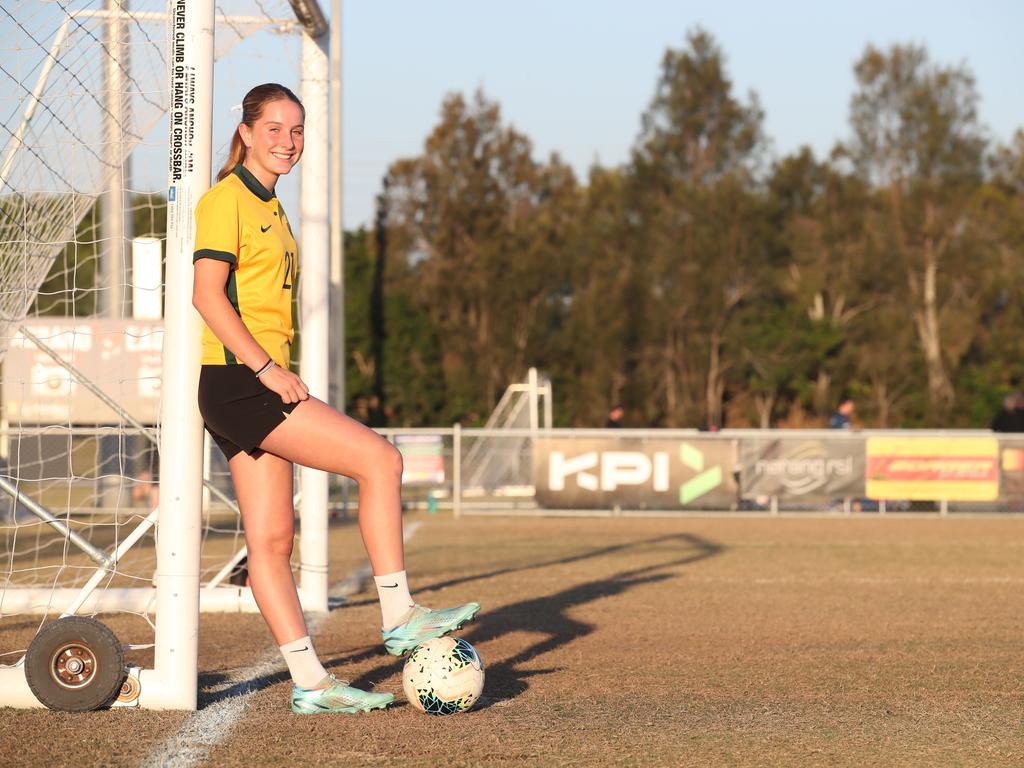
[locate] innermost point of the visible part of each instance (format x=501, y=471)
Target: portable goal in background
x=100, y=438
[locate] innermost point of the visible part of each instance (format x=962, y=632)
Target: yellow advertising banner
x=933, y=468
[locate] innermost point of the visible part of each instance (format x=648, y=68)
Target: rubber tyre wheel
x=75, y=664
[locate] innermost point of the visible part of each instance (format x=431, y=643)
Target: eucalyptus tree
x=601, y=341
x=693, y=209
x=478, y=229
x=918, y=140
x=994, y=364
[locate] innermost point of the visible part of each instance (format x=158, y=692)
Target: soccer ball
x=443, y=676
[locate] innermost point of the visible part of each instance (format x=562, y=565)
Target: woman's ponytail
x=235, y=156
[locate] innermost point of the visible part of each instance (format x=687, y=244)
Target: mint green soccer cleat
x=338, y=697
x=421, y=624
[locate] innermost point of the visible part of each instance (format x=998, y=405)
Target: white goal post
x=43, y=219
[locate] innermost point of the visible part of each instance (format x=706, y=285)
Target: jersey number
x=289, y=269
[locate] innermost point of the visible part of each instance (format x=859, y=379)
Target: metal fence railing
x=648, y=471
x=595, y=471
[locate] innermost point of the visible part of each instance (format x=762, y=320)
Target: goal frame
x=173, y=681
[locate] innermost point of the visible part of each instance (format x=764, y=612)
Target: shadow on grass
x=215, y=687
x=588, y=555
x=547, y=616
x=218, y=686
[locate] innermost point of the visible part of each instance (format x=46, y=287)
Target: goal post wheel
x=75, y=664
x=130, y=689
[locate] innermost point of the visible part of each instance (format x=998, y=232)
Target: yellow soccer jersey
x=240, y=222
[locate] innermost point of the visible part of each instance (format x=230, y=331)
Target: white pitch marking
x=204, y=729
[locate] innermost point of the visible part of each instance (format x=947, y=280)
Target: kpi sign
x=634, y=473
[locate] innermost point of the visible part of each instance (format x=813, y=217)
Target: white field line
x=817, y=581
x=204, y=729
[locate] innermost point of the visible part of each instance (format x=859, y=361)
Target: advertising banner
x=422, y=458
x=634, y=473
x=1011, y=469
x=933, y=468
x=122, y=357
x=802, y=469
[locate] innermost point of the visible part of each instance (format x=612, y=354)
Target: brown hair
x=252, y=109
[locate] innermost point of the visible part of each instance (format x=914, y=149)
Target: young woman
x=263, y=417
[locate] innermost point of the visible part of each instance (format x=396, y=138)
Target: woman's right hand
x=290, y=387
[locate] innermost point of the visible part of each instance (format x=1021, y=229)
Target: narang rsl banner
x=819, y=469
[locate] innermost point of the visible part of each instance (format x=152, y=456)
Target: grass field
x=650, y=642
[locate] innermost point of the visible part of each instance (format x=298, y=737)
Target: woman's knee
x=391, y=463
x=275, y=542
x=383, y=464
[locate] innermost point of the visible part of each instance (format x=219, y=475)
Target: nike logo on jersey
x=300, y=650
x=266, y=228
x=390, y=586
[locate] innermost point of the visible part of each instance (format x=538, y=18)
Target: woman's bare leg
x=315, y=435
x=263, y=485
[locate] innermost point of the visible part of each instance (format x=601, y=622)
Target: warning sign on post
x=182, y=116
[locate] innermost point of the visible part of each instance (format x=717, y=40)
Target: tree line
x=702, y=283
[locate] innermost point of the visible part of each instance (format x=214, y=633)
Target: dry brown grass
x=860, y=641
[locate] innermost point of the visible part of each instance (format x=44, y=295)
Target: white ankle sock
x=303, y=664
x=395, y=600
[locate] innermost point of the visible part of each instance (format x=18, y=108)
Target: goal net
x=84, y=153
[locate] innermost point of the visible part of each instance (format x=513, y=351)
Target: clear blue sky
x=575, y=75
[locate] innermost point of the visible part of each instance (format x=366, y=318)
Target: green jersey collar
x=253, y=184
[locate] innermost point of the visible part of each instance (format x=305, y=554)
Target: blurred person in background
x=614, y=417
x=146, y=489
x=843, y=417
x=1010, y=417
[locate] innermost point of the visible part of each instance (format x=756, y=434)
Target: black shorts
x=238, y=411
